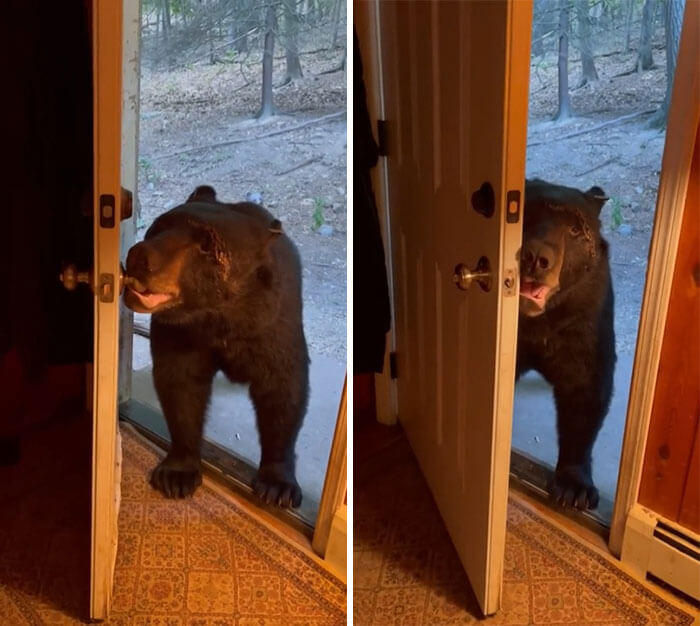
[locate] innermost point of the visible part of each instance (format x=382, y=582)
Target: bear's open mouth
x=534, y=291
x=151, y=300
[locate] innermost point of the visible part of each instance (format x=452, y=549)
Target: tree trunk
x=242, y=23
x=674, y=22
x=564, y=111
x=588, y=71
x=165, y=14
x=543, y=23
x=628, y=28
x=291, y=24
x=336, y=22
x=644, y=58
x=267, y=107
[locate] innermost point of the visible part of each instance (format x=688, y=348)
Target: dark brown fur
x=234, y=281
x=571, y=340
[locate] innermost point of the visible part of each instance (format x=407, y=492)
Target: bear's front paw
x=572, y=486
x=276, y=485
x=176, y=478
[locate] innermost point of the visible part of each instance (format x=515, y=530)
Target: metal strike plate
x=510, y=283
x=105, y=288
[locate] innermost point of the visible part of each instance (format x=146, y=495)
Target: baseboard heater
x=663, y=550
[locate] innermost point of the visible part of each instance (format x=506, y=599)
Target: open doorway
x=203, y=121
x=610, y=133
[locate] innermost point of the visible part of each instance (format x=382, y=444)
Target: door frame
x=683, y=116
x=366, y=15
x=335, y=473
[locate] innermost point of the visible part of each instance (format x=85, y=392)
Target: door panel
x=107, y=97
x=455, y=89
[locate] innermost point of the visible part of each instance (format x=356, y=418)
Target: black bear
x=223, y=285
x=566, y=324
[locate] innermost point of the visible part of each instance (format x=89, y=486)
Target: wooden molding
x=335, y=485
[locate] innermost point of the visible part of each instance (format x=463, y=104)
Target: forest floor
x=624, y=158
x=198, y=127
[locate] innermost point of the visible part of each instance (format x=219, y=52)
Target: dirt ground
x=623, y=158
x=300, y=173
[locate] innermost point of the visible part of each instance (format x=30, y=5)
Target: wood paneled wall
x=670, y=482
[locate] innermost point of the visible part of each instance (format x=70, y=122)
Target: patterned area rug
x=204, y=561
x=207, y=561
x=407, y=572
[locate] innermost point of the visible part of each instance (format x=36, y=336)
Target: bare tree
x=645, y=60
x=628, y=27
x=243, y=22
x=337, y=6
x=543, y=23
x=564, y=111
x=291, y=25
x=166, y=18
x=588, y=71
x=267, y=107
x=674, y=22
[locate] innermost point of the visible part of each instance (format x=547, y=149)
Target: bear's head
x=199, y=255
x=562, y=244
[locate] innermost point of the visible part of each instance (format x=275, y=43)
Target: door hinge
x=381, y=138
x=393, y=370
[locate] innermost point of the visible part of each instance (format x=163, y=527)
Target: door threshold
x=218, y=464
x=530, y=477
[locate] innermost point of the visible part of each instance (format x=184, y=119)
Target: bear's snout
x=142, y=261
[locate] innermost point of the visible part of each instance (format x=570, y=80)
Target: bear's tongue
x=152, y=300
x=534, y=291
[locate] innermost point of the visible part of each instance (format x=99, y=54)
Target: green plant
x=147, y=170
x=616, y=213
x=317, y=218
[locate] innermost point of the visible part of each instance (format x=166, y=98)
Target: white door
x=455, y=87
x=107, y=101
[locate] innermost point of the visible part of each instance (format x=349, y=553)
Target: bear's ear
x=275, y=228
x=203, y=193
x=597, y=198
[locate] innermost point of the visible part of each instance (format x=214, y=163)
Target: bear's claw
x=176, y=479
x=277, y=487
x=572, y=487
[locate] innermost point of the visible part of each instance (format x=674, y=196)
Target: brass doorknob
x=71, y=277
x=464, y=277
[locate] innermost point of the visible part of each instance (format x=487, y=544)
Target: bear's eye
x=543, y=262
x=575, y=230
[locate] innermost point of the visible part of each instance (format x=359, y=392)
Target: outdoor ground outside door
x=455, y=90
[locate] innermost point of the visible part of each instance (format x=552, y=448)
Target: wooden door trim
x=131, y=80
x=107, y=98
x=335, y=484
x=367, y=21
x=683, y=119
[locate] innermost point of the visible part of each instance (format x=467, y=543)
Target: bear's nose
x=536, y=258
x=142, y=260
